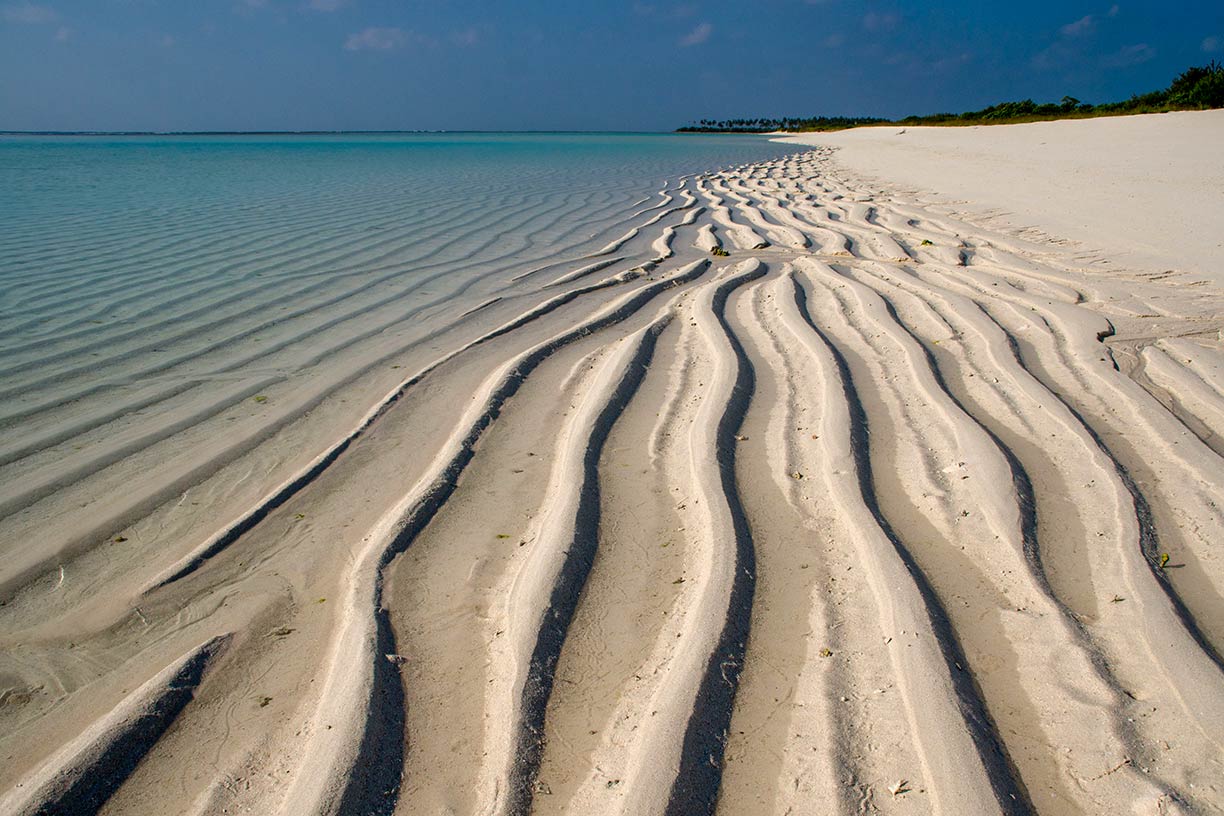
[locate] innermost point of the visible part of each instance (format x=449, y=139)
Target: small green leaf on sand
x=1164, y=560
x=826, y=652
x=925, y=242
x=502, y=535
x=261, y=399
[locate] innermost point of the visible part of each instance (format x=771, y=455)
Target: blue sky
x=551, y=64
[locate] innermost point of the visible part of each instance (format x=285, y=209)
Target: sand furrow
x=1066, y=354
x=743, y=236
x=162, y=487
x=713, y=441
x=539, y=603
x=87, y=771
x=1193, y=396
x=662, y=751
x=952, y=713
x=817, y=718
x=775, y=233
x=325, y=774
x=1055, y=627
x=634, y=582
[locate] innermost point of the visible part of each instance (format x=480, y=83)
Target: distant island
x=1197, y=88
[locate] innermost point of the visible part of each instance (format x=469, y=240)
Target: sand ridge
x=884, y=512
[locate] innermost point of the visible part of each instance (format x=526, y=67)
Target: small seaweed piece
x=1164, y=560
x=925, y=242
x=261, y=399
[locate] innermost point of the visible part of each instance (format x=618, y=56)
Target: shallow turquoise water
x=46, y=182
x=131, y=262
x=97, y=227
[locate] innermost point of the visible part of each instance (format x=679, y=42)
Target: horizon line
x=293, y=132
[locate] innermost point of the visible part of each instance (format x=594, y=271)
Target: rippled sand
x=882, y=511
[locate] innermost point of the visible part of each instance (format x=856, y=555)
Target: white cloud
x=376, y=39
x=1130, y=55
x=1080, y=27
x=28, y=13
x=63, y=34
x=1212, y=44
x=698, y=35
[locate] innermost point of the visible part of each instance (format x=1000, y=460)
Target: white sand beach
x=912, y=503
x=1142, y=190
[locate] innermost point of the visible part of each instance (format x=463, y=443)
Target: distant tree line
x=789, y=123
x=1197, y=88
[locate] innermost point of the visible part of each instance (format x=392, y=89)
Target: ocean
x=112, y=248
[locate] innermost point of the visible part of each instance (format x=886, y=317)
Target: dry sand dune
x=884, y=512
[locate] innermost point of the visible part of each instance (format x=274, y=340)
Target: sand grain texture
x=887, y=511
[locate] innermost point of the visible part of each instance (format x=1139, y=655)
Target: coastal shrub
x=1196, y=88
x=1199, y=87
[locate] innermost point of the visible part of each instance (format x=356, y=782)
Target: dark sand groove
x=569, y=585
x=695, y=789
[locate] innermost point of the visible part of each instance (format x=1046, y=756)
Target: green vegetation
x=1197, y=88
x=767, y=125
